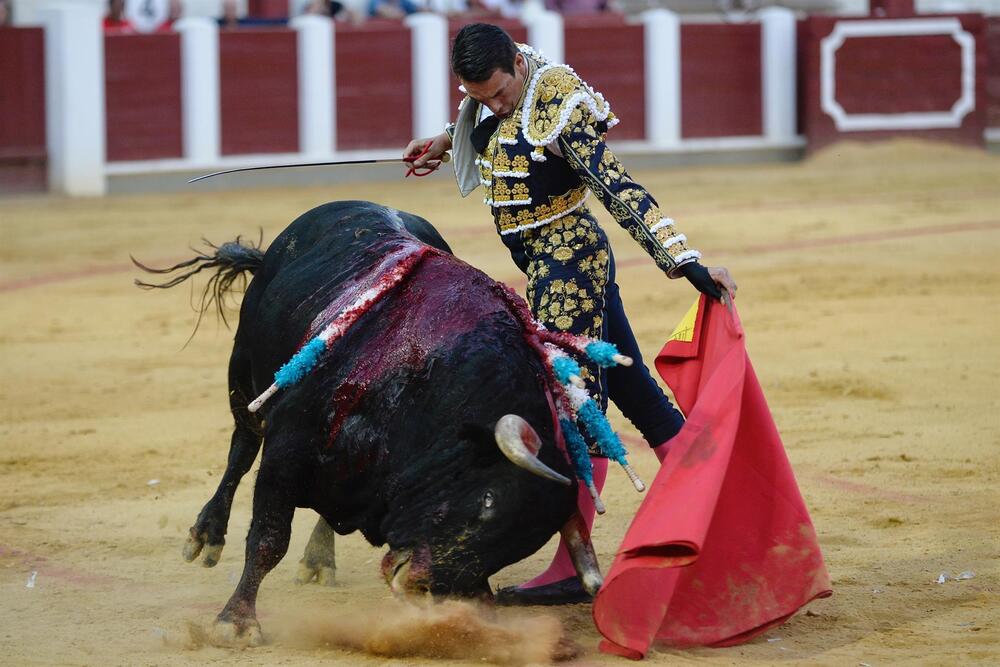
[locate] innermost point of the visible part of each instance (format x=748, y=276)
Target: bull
x=407, y=426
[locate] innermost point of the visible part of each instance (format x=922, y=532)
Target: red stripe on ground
x=864, y=489
x=771, y=205
x=76, y=274
x=849, y=239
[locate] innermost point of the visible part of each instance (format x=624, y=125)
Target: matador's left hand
x=710, y=280
x=723, y=279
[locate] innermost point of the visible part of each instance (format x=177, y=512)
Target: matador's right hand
x=429, y=150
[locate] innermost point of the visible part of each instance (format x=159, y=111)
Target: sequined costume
x=538, y=167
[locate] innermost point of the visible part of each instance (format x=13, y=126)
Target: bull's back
x=311, y=264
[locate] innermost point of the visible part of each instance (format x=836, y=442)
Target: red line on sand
x=850, y=239
x=519, y=280
x=75, y=274
x=48, y=570
x=864, y=489
x=60, y=276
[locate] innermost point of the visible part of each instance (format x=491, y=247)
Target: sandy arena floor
x=868, y=288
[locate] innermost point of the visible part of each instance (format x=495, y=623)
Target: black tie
x=481, y=133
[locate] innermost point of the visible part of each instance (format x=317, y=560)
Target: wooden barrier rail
x=205, y=97
x=142, y=84
x=22, y=110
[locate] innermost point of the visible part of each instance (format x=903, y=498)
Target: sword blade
x=444, y=158
x=293, y=165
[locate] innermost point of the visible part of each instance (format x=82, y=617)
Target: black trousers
x=572, y=288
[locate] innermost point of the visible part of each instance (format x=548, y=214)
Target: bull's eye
x=487, y=511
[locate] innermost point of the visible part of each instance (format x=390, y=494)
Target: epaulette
x=552, y=95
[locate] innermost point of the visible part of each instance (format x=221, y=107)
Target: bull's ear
x=484, y=445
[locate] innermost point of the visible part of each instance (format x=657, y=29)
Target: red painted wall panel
x=143, y=96
x=514, y=28
x=721, y=92
x=893, y=75
x=22, y=101
x=607, y=53
x=259, y=91
x=993, y=71
x=374, y=92
x=873, y=73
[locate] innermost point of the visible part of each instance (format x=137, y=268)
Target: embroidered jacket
x=527, y=185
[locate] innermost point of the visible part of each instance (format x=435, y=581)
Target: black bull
x=399, y=431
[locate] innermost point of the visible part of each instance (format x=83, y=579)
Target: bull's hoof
x=196, y=544
x=323, y=575
x=239, y=634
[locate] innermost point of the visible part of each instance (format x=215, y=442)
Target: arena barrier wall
x=204, y=99
x=22, y=110
x=722, y=93
x=617, y=69
x=373, y=98
x=259, y=91
x=877, y=78
x=992, y=30
x=142, y=89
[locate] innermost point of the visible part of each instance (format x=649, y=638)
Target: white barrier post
x=74, y=93
x=200, y=106
x=316, y=71
x=429, y=57
x=545, y=34
x=778, y=84
x=662, y=54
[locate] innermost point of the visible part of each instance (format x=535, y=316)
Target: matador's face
x=501, y=92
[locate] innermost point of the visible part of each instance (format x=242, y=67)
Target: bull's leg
x=319, y=561
x=208, y=533
x=267, y=542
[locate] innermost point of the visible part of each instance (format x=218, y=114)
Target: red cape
x=722, y=548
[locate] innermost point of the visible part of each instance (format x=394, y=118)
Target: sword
x=446, y=157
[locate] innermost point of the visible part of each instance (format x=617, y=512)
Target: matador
x=532, y=134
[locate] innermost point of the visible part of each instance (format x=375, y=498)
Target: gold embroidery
x=504, y=192
x=574, y=304
x=554, y=90
x=558, y=206
x=507, y=132
x=627, y=201
x=503, y=162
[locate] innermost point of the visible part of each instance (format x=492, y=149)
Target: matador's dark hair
x=479, y=50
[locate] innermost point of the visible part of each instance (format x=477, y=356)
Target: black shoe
x=566, y=591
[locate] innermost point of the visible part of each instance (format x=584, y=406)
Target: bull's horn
x=398, y=582
x=519, y=443
x=581, y=551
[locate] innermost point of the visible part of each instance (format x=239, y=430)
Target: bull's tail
x=230, y=262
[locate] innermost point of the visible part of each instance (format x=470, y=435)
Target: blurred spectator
x=391, y=9
x=508, y=9
x=5, y=18
x=449, y=7
x=331, y=8
x=230, y=18
x=577, y=6
x=176, y=13
x=115, y=22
